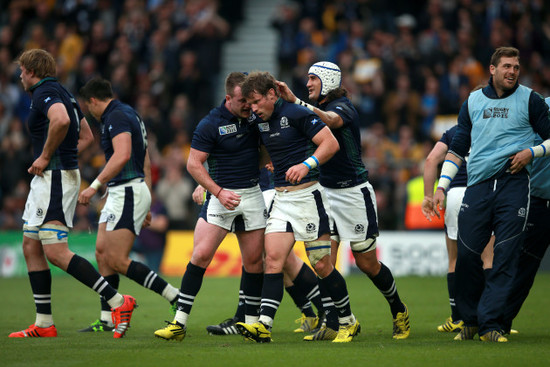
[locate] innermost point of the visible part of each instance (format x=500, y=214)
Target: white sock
x=116, y=301
x=106, y=317
x=181, y=317
x=266, y=320
x=170, y=292
x=43, y=320
x=250, y=319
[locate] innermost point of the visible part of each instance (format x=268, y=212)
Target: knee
x=201, y=258
x=253, y=265
x=324, y=267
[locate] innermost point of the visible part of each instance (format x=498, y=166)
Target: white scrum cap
x=329, y=74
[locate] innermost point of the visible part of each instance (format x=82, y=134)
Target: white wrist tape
x=96, y=184
x=448, y=172
x=302, y=103
x=541, y=150
x=311, y=162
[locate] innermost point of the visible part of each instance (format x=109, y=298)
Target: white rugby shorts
x=52, y=197
x=354, y=212
x=127, y=206
x=304, y=212
x=454, y=200
x=249, y=215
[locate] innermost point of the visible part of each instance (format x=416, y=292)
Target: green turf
x=75, y=306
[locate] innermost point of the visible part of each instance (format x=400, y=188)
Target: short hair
x=98, y=88
x=39, y=61
x=260, y=82
x=503, y=52
x=234, y=79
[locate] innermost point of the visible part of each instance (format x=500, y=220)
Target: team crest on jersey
x=227, y=129
x=39, y=212
x=111, y=218
x=284, y=122
x=263, y=126
x=359, y=228
x=522, y=212
x=311, y=227
x=495, y=112
x=251, y=118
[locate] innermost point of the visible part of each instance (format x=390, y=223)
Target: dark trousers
x=537, y=239
x=498, y=205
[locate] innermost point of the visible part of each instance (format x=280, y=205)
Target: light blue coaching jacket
x=540, y=173
x=498, y=127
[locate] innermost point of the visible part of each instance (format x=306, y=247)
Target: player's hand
x=86, y=195
x=295, y=173
x=269, y=167
x=428, y=208
x=38, y=166
x=520, y=160
x=199, y=195
x=285, y=92
x=147, y=221
x=229, y=199
x=439, y=200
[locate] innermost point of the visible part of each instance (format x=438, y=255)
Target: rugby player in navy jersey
x=455, y=194
x=499, y=123
x=58, y=131
x=297, y=142
x=228, y=141
x=537, y=239
x=299, y=280
x=127, y=175
x=351, y=196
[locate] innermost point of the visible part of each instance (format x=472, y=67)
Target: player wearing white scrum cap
x=351, y=196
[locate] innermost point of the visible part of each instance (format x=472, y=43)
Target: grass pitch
x=75, y=306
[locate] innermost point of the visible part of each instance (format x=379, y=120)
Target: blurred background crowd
x=406, y=64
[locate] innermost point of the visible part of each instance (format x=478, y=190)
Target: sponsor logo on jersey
x=495, y=112
x=227, y=129
x=284, y=122
x=263, y=127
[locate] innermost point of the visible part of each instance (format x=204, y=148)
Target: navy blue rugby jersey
x=287, y=138
x=346, y=168
x=120, y=118
x=461, y=178
x=232, y=145
x=45, y=93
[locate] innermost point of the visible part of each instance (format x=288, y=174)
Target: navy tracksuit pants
x=498, y=205
x=537, y=239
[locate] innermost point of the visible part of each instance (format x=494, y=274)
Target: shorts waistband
x=300, y=190
x=297, y=187
x=130, y=181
